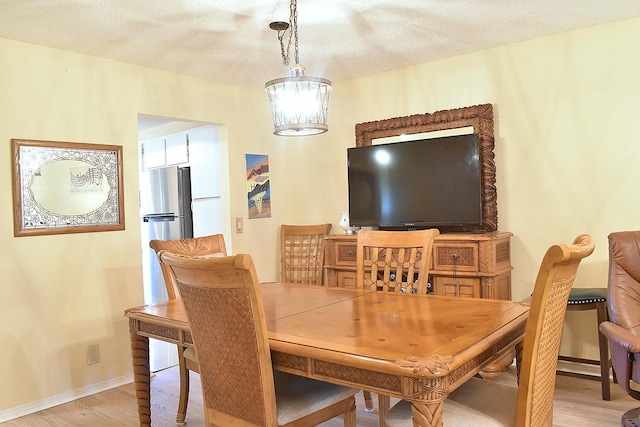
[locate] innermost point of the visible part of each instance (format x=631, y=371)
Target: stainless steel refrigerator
x=165, y=205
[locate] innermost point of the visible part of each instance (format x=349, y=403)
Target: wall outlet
x=239, y=225
x=93, y=354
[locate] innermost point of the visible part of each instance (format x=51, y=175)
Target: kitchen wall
x=566, y=157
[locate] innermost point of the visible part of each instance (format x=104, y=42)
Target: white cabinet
x=177, y=148
x=152, y=153
x=164, y=151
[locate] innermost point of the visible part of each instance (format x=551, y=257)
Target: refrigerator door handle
x=163, y=217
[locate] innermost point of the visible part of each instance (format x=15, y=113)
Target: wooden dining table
x=417, y=348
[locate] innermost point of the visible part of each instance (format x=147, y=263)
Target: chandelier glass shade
x=299, y=104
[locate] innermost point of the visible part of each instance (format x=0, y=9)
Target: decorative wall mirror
x=66, y=187
x=480, y=117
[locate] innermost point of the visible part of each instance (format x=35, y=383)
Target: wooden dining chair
x=393, y=261
x=302, y=253
x=223, y=302
x=530, y=404
x=198, y=246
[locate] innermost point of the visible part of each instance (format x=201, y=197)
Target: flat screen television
x=426, y=183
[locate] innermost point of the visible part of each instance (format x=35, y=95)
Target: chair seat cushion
x=190, y=353
x=297, y=397
x=587, y=295
x=476, y=403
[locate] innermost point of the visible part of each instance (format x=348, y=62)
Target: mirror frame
x=480, y=117
x=30, y=218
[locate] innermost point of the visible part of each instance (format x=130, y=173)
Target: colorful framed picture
x=258, y=186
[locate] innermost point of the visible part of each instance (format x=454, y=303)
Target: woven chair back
x=223, y=303
x=302, y=253
x=539, y=356
x=198, y=246
x=394, y=261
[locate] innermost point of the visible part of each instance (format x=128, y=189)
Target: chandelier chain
x=285, y=55
x=293, y=34
x=294, y=24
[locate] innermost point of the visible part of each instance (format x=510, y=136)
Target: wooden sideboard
x=463, y=264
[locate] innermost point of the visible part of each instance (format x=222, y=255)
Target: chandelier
x=299, y=104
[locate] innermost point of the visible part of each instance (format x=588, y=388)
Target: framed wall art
x=66, y=187
x=258, y=186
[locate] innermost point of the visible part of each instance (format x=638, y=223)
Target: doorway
x=167, y=148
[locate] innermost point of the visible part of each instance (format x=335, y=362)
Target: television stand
x=476, y=265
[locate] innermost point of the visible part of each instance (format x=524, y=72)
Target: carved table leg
x=141, y=377
x=493, y=369
x=368, y=402
x=427, y=414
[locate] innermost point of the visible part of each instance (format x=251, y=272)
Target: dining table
x=413, y=347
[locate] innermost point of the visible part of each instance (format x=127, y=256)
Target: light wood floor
x=577, y=403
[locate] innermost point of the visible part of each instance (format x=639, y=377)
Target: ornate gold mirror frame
x=480, y=117
x=66, y=187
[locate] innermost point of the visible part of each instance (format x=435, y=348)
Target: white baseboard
x=59, y=399
x=579, y=368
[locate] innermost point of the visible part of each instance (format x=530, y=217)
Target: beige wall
x=567, y=142
x=60, y=293
x=566, y=158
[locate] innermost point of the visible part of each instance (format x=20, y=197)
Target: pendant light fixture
x=299, y=104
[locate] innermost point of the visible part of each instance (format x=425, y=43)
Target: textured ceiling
x=229, y=41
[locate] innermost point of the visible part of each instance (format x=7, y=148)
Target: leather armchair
x=623, y=331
